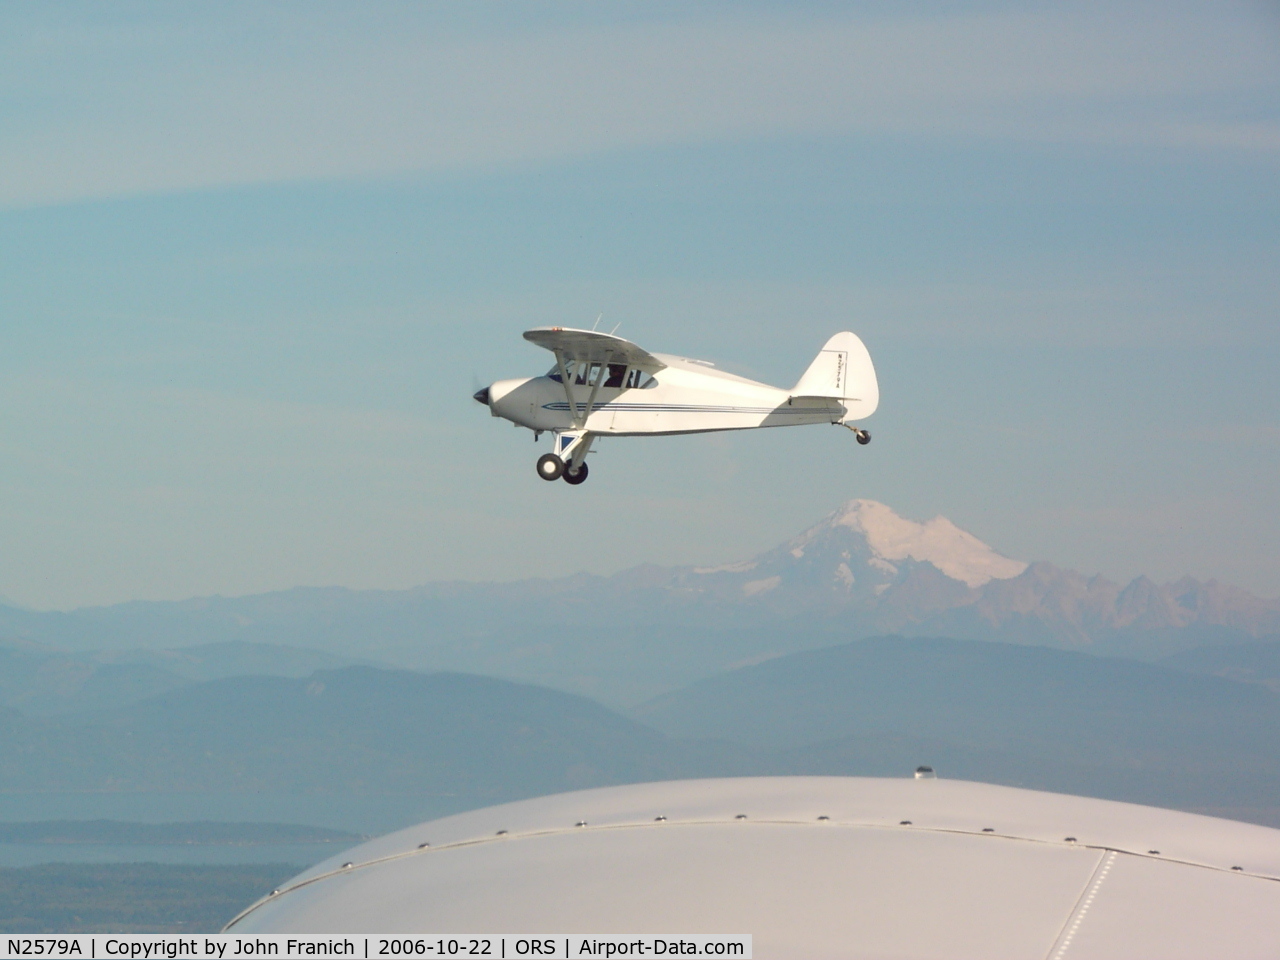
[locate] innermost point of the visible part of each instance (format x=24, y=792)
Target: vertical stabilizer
x=842, y=371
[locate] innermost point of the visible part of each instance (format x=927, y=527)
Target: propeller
x=481, y=394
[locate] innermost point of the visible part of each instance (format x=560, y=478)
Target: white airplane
x=604, y=386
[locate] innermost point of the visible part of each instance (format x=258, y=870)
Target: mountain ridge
x=860, y=571
x=1034, y=716
x=1024, y=716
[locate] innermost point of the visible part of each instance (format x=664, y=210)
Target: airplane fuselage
x=684, y=397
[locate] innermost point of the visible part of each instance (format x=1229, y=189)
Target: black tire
x=575, y=478
x=550, y=467
x=863, y=437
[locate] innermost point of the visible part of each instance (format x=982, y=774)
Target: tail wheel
x=575, y=475
x=550, y=467
x=863, y=437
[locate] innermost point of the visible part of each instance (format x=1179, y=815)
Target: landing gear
x=569, y=459
x=551, y=467
x=861, y=435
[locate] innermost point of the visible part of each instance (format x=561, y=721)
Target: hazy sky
x=254, y=260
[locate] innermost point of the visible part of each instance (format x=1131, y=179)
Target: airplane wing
x=592, y=346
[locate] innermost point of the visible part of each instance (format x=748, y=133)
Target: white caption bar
x=560, y=946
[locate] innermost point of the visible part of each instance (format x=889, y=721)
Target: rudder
x=843, y=371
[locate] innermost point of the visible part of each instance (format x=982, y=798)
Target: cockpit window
x=554, y=372
x=617, y=371
x=587, y=373
x=617, y=375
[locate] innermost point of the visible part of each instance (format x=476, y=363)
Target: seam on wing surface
x=1076, y=917
x=1058, y=951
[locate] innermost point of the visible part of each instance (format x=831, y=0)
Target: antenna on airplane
x=597, y=323
x=615, y=328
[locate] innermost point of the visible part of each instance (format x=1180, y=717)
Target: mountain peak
x=957, y=553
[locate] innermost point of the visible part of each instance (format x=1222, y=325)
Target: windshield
x=554, y=372
x=617, y=375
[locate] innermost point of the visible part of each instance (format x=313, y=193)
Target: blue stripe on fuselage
x=682, y=408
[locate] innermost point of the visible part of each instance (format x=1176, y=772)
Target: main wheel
x=575, y=475
x=550, y=467
x=863, y=437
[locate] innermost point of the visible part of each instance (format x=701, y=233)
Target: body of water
x=367, y=815
x=302, y=854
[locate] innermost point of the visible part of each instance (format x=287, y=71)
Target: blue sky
x=254, y=259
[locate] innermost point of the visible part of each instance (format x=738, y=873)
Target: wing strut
x=568, y=387
x=595, y=389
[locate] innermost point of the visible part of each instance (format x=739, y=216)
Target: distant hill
x=230, y=658
x=355, y=730
x=999, y=712
x=1254, y=661
x=861, y=571
x=38, y=678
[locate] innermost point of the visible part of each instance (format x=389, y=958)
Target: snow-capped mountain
x=862, y=549
x=868, y=567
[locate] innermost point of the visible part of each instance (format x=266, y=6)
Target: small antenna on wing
x=597, y=323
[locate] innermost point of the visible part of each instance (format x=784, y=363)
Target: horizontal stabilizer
x=842, y=371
